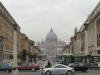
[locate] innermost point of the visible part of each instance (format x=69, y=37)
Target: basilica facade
x=51, y=47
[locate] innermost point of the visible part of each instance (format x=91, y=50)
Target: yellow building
x=12, y=41
x=7, y=24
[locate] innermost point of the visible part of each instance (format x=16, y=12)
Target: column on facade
x=52, y=52
x=15, y=48
x=86, y=42
x=97, y=34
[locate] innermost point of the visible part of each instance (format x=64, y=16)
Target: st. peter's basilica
x=51, y=47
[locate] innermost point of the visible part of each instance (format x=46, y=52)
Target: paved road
x=20, y=73
x=90, y=72
x=42, y=63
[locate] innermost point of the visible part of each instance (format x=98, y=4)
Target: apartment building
x=7, y=35
x=86, y=41
x=12, y=41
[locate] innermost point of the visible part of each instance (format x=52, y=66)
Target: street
x=90, y=72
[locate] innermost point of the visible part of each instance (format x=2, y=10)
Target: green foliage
x=23, y=54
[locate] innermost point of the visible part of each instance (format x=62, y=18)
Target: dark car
x=32, y=67
x=79, y=66
x=5, y=67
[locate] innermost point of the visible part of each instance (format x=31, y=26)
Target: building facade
x=7, y=32
x=51, y=47
x=86, y=42
x=12, y=41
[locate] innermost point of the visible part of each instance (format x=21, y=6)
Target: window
x=83, y=42
x=81, y=64
x=99, y=52
x=0, y=28
x=59, y=66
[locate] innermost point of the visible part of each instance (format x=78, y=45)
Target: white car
x=58, y=70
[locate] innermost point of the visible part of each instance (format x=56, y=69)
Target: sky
x=37, y=17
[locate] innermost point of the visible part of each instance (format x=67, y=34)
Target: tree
x=22, y=55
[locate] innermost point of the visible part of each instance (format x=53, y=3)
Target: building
x=28, y=48
x=31, y=44
x=16, y=47
x=73, y=48
x=12, y=41
x=77, y=42
x=85, y=45
x=25, y=49
x=51, y=47
x=8, y=34
x=36, y=51
x=93, y=29
x=92, y=39
x=24, y=42
x=90, y=44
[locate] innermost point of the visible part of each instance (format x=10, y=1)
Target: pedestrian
x=48, y=64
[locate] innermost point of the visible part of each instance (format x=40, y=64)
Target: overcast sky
x=36, y=17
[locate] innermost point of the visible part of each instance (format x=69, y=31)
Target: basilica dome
x=51, y=36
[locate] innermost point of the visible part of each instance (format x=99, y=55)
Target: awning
x=95, y=55
x=67, y=55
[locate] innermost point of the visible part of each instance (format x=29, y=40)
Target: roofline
x=5, y=9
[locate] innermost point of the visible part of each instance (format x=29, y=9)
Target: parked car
x=79, y=66
x=32, y=67
x=58, y=69
x=5, y=67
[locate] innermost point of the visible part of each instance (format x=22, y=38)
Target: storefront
x=80, y=58
x=67, y=59
x=95, y=58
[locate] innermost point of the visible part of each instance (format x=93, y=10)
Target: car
x=78, y=66
x=5, y=67
x=58, y=69
x=32, y=67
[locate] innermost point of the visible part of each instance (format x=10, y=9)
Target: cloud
x=36, y=17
